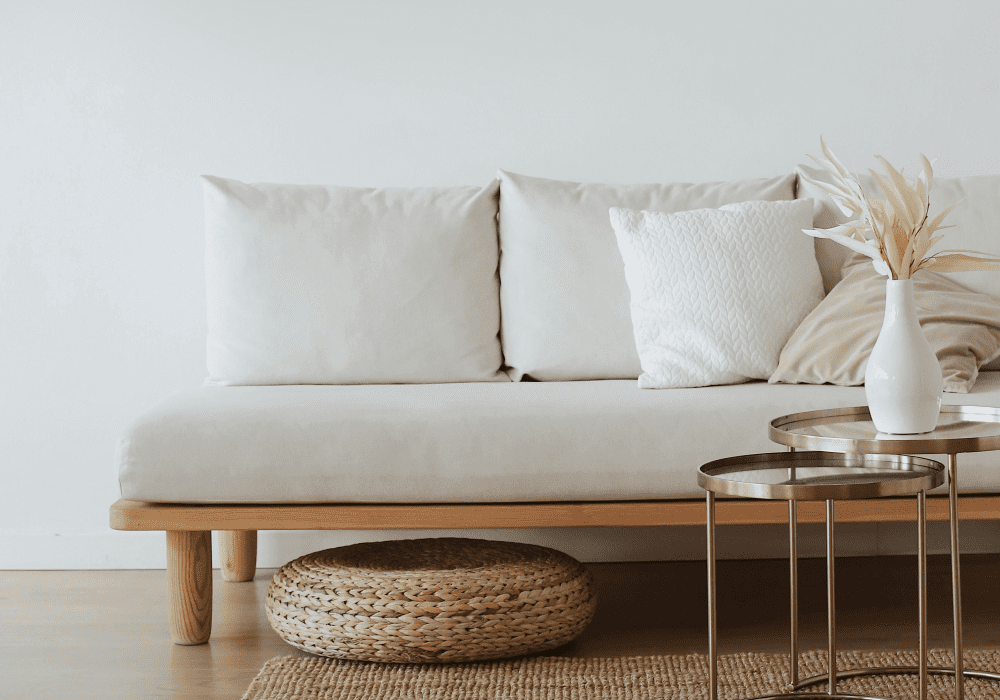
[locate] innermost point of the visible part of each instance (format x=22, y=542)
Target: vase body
x=903, y=381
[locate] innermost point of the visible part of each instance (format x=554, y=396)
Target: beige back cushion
x=563, y=296
x=314, y=284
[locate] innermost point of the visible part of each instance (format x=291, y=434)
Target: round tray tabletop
x=820, y=476
x=959, y=429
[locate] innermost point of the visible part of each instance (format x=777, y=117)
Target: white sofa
x=502, y=390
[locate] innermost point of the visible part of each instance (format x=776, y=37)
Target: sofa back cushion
x=342, y=285
x=976, y=223
x=563, y=294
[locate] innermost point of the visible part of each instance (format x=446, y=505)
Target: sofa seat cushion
x=476, y=442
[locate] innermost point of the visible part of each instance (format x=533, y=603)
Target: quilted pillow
x=343, y=285
x=716, y=292
x=833, y=343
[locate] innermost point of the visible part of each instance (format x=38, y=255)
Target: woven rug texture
x=617, y=678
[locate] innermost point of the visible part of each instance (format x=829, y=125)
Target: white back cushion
x=716, y=293
x=341, y=285
x=563, y=295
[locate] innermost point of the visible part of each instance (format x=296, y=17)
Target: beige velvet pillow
x=832, y=344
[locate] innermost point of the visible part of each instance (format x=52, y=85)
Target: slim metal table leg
x=831, y=622
x=713, y=682
x=922, y=595
x=956, y=577
x=793, y=587
x=793, y=572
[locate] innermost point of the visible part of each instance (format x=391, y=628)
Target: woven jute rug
x=625, y=678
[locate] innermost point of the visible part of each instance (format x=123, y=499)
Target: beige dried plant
x=894, y=232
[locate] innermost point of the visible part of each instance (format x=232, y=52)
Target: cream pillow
x=342, y=285
x=716, y=292
x=564, y=300
x=833, y=343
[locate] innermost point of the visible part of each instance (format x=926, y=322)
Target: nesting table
x=848, y=458
x=818, y=476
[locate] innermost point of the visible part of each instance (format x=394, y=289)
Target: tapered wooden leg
x=189, y=585
x=238, y=553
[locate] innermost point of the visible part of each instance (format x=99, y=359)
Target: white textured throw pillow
x=564, y=301
x=716, y=293
x=343, y=285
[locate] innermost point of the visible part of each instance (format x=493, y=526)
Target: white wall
x=110, y=109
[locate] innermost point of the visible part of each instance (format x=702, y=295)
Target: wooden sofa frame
x=189, y=529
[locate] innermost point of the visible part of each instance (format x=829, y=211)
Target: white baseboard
x=147, y=550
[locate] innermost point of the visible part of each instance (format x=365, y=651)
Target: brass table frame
x=849, y=430
x=887, y=475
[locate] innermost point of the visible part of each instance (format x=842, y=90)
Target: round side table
x=850, y=430
x=818, y=476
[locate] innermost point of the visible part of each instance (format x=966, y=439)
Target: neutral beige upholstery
x=529, y=441
x=833, y=343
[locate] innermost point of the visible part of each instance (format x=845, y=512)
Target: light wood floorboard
x=104, y=634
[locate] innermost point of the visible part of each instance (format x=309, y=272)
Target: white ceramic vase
x=903, y=379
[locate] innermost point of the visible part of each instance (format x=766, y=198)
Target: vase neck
x=899, y=301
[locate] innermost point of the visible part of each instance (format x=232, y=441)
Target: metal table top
x=820, y=476
x=959, y=429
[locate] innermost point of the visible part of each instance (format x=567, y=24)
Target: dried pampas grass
x=894, y=232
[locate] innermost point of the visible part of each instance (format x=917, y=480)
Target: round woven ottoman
x=430, y=600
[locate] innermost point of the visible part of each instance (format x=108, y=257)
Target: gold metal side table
x=818, y=476
x=850, y=430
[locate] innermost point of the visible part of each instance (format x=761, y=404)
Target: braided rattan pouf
x=430, y=600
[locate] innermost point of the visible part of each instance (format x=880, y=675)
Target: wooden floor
x=103, y=634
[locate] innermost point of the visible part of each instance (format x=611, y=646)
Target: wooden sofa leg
x=238, y=554
x=189, y=585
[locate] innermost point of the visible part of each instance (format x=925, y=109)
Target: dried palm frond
x=894, y=232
